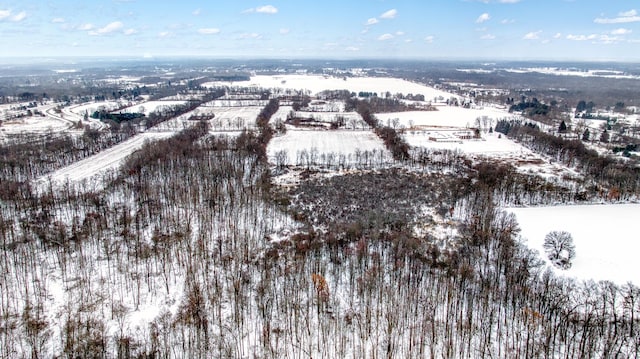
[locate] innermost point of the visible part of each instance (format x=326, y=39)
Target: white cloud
x=372, y=21
x=507, y=21
x=251, y=35
x=621, y=31
x=488, y=37
x=130, y=32
x=557, y=35
x=109, y=28
x=399, y=33
x=596, y=39
x=623, y=17
x=429, y=39
x=606, y=39
x=284, y=31
x=352, y=49
x=19, y=16
x=629, y=13
x=390, y=14
x=57, y=20
x=196, y=12
x=582, y=37
x=164, y=34
x=534, y=35
x=385, y=37
x=265, y=9
x=209, y=31
x=408, y=41
x=482, y=18
x=85, y=27
x=8, y=15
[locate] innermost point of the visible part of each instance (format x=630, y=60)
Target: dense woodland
x=192, y=232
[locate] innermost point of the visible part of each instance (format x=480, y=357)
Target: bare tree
x=559, y=247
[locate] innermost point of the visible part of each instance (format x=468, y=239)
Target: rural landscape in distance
x=378, y=179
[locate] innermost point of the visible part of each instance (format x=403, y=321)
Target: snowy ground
x=496, y=147
x=453, y=116
x=237, y=103
x=54, y=122
x=33, y=125
x=232, y=118
x=318, y=83
x=281, y=114
x=103, y=161
x=91, y=107
x=339, y=142
x=490, y=144
x=151, y=106
x=605, y=237
x=225, y=119
x=575, y=72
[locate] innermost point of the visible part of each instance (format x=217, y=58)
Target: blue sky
x=396, y=29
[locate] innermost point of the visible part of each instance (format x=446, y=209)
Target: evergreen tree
x=586, y=135
x=563, y=127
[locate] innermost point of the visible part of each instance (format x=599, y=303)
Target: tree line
x=612, y=177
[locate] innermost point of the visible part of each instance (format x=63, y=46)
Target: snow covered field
x=232, y=118
x=318, y=143
x=351, y=120
x=605, y=237
x=281, y=114
x=103, y=161
x=453, y=116
x=151, y=106
x=612, y=74
x=33, y=125
x=237, y=103
x=92, y=107
x=318, y=83
x=489, y=145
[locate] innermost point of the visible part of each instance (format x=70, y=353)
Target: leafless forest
x=192, y=232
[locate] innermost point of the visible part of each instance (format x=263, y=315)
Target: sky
x=588, y=30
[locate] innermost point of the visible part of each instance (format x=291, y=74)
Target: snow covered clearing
x=91, y=107
x=318, y=83
x=281, y=114
x=151, y=106
x=228, y=120
x=490, y=144
x=232, y=118
x=53, y=122
x=237, y=103
x=312, y=146
x=122, y=79
x=352, y=120
x=103, y=161
x=605, y=237
x=453, y=116
x=557, y=71
x=33, y=125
